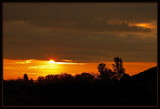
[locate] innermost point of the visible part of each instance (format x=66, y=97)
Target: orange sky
x=13, y=69
x=83, y=32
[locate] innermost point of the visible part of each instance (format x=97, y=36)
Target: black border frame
x=82, y=1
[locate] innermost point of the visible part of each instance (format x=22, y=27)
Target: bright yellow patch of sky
x=144, y=25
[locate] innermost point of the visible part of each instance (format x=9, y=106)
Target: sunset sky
x=77, y=36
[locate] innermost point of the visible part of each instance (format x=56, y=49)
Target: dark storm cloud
x=78, y=32
x=26, y=42
x=79, y=11
x=82, y=15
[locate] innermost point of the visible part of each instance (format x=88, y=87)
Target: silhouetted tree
x=58, y=78
x=118, y=68
x=51, y=78
x=84, y=77
x=31, y=80
x=104, y=72
x=25, y=77
x=65, y=77
x=19, y=79
x=117, y=73
x=40, y=79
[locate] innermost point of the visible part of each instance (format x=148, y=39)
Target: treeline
x=112, y=87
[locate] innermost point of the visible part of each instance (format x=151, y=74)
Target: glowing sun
x=51, y=61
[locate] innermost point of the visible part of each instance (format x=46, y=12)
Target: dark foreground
x=139, y=90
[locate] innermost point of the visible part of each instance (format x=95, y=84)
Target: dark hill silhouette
x=144, y=85
x=150, y=73
x=147, y=79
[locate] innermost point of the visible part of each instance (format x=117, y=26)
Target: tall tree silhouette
x=25, y=77
x=118, y=68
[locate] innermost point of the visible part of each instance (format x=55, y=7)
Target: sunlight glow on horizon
x=51, y=61
x=13, y=69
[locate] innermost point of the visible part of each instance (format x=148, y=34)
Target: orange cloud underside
x=144, y=25
x=13, y=69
